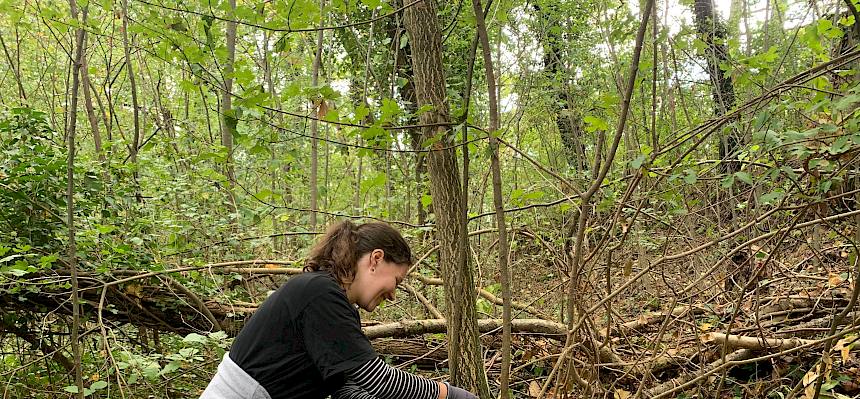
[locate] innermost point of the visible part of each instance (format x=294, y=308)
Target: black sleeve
x=332, y=334
x=385, y=382
x=351, y=391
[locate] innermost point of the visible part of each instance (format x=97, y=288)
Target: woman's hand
x=458, y=393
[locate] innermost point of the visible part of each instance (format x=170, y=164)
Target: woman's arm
x=351, y=391
x=382, y=381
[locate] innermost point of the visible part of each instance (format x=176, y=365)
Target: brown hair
x=344, y=243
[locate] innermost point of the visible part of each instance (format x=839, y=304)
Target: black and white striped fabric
x=377, y=380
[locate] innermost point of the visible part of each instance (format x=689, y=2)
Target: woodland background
x=606, y=198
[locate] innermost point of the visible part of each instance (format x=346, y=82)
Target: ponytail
x=344, y=243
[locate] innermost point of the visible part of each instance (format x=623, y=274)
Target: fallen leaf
x=845, y=351
x=834, y=279
x=622, y=394
x=534, y=389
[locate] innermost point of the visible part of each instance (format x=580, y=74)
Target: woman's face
x=376, y=280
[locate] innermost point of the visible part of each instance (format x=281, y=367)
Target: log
x=435, y=326
x=754, y=343
x=648, y=319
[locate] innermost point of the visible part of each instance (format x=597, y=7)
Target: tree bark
x=228, y=116
x=16, y=69
x=315, y=74
x=568, y=120
x=504, y=270
x=714, y=34
x=70, y=195
x=135, y=144
x=91, y=114
x=465, y=364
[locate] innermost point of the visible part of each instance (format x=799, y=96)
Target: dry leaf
x=628, y=267
x=271, y=266
x=705, y=326
x=534, y=389
x=527, y=355
x=834, y=279
x=622, y=394
x=843, y=350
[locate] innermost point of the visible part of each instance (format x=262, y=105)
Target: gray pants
x=231, y=382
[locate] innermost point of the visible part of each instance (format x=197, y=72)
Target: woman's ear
x=377, y=256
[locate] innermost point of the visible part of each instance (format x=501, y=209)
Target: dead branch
x=670, y=385
x=435, y=326
x=754, y=343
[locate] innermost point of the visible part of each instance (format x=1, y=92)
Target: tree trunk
x=91, y=114
x=70, y=195
x=714, y=34
x=315, y=126
x=135, y=143
x=407, y=95
x=504, y=270
x=228, y=116
x=567, y=119
x=16, y=70
x=465, y=364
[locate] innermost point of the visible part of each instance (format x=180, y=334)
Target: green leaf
x=99, y=385
x=390, y=110
x=71, y=389
x=839, y=145
x=691, y=177
x=744, y=177
x=772, y=197
x=194, y=338
x=10, y=257
x=426, y=200
x=595, y=124
x=728, y=181
x=637, y=162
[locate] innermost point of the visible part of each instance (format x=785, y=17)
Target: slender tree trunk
x=16, y=69
x=228, y=115
x=315, y=74
x=504, y=270
x=91, y=114
x=70, y=195
x=465, y=361
x=135, y=143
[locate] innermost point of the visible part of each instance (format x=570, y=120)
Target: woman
x=305, y=340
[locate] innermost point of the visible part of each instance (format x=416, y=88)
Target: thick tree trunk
x=567, y=119
x=407, y=95
x=465, y=364
x=714, y=34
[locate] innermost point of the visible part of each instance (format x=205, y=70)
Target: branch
x=435, y=326
x=754, y=343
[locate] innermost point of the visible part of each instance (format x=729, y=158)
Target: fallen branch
x=436, y=326
x=648, y=319
x=670, y=385
x=486, y=295
x=754, y=343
